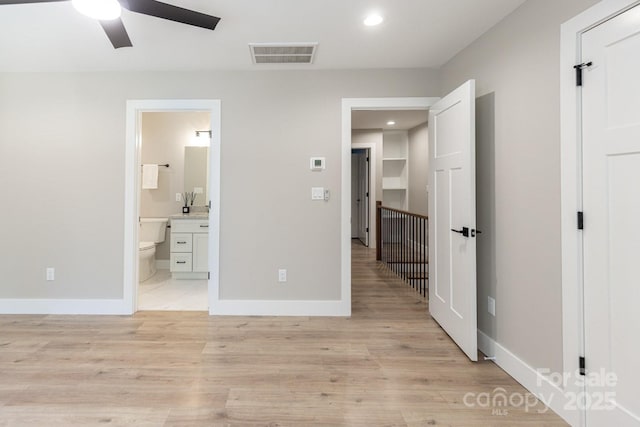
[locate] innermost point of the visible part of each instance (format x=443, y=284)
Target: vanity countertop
x=194, y=215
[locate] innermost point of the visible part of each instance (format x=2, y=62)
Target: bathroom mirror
x=196, y=173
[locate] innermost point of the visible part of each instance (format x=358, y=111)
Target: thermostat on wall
x=317, y=163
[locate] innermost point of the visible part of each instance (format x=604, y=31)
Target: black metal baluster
x=393, y=241
x=412, y=257
x=383, y=229
x=422, y=250
x=425, y=261
x=403, y=246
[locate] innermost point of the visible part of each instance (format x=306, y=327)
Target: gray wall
x=62, y=150
x=418, y=169
x=516, y=67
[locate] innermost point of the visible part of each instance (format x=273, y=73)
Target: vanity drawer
x=180, y=262
x=181, y=242
x=190, y=226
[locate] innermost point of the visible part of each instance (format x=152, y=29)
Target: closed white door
x=611, y=203
x=363, y=197
x=452, y=217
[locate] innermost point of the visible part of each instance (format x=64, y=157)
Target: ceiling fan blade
x=2, y=2
x=170, y=12
x=117, y=33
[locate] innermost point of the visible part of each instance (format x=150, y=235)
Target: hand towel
x=149, y=177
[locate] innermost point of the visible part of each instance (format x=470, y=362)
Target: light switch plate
x=317, y=193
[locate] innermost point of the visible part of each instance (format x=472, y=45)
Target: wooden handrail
x=403, y=212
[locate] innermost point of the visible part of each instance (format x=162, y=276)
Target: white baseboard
x=64, y=306
x=536, y=383
x=163, y=264
x=332, y=308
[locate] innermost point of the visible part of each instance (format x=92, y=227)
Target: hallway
x=389, y=364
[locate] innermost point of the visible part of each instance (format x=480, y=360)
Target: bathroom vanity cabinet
x=189, y=248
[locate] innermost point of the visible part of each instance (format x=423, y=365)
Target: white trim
x=282, y=308
x=349, y=104
x=372, y=187
x=131, y=190
x=571, y=193
x=539, y=385
x=64, y=306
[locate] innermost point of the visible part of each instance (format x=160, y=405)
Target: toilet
x=152, y=232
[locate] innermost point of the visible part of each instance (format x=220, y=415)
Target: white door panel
x=363, y=191
x=452, y=284
x=611, y=198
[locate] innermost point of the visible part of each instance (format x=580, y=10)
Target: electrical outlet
x=51, y=273
x=491, y=306
x=178, y=197
x=282, y=275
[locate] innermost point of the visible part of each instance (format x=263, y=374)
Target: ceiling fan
x=107, y=12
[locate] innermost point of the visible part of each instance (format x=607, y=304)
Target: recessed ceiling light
x=373, y=19
x=391, y=123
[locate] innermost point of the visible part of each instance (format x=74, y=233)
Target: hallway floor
x=389, y=364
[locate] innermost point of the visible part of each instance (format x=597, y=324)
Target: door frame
x=134, y=109
x=348, y=105
x=571, y=191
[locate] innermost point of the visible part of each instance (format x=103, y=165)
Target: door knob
x=464, y=231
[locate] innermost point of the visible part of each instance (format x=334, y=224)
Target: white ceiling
x=415, y=34
x=405, y=119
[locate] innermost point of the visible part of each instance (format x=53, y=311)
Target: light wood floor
x=389, y=364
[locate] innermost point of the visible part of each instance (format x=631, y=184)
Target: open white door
x=363, y=197
x=611, y=200
x=452, y=217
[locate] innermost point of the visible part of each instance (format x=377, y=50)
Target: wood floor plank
x=389, y=364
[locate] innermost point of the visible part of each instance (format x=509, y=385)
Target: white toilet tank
x=153, y=229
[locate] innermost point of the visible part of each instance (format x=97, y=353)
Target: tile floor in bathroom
x=161, y=292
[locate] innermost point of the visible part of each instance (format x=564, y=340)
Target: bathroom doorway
x=172, y=207
x=174, y=166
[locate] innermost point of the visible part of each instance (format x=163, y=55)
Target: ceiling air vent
x=283, y=53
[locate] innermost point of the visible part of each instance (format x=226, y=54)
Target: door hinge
x=580, y=220
x=367, y=194
x=209, y=275
x=367, y=229
x=582, y=366
x=579, y=69
x=367, y=159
